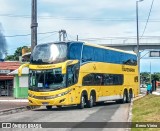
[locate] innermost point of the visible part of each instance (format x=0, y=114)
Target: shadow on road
x=74, y=107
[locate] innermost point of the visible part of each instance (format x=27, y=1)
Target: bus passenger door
x=72, y=79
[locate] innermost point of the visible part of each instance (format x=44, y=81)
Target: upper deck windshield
x=49, y=53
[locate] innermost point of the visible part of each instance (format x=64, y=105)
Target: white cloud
x=6, y=7
x=92, y=3
x=85, y=28
x=83, y=9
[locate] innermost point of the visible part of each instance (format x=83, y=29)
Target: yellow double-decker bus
x=79, y=73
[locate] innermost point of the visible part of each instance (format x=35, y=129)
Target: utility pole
x=62, y=33
x=138, y=53
x=150, y=74
x=77, y=37
x=34, y=25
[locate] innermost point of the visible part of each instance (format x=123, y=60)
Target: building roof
x=9, y=65
x=4, y=77
x=25, y=70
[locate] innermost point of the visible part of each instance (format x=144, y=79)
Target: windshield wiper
x=33, y=89
x=57, y=88
x=45, y=89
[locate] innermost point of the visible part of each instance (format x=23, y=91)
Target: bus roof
x=105, y=47
x=90, y=44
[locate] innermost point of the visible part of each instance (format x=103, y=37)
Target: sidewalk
x=143, y=91
x=157, y=92
x=10, y=105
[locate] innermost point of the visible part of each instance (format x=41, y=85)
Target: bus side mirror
x=64, y=69
x=21, y=67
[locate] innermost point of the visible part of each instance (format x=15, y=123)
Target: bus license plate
x=45, y=103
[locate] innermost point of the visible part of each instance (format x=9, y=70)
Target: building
x=20, y=85
x=6, y=81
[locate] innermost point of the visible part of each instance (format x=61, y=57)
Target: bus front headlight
x=63, y=93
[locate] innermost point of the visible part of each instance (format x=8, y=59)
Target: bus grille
x=43, y=97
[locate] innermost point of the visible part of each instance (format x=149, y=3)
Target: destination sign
x=128, y=69
x=154, y=54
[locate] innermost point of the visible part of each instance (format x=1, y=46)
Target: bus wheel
x=124, y=100
x=82, y=103
x=90, y=102
x=129, y=96
x=59, y=106
x=49, y=107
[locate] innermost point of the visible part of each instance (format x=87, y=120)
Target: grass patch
x=146, y=109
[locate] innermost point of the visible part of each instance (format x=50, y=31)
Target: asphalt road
x=108, y=112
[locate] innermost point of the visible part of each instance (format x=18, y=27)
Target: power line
x=30, y=34
x=79, y=18
x=47, y=36
x=147, y=18
x=18, y=35
x=96, y=38
x=12, y=15
x=112, y=38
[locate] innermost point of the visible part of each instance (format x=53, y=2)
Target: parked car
x=143, y=86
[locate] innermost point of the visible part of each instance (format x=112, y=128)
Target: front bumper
x=53, y=102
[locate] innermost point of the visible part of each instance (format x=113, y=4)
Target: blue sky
x=86, y=18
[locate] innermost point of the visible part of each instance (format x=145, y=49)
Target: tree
x=16, y=55
x=10, y=58
x=156, y=76
x=145, y=77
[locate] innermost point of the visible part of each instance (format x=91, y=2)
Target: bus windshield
x=46, y=80
x=49, y=53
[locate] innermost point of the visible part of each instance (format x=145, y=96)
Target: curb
x=130, y=110
x=16, y=110
x=131, y=106
x=14, y=100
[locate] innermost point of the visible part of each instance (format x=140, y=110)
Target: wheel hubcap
x=83, y=102
x=124, y=97
x=91, y=100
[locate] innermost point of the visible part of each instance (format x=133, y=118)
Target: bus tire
x=129, y=96
x=118, y=101
x=49, y=107
x=91, y=101
x=124, y=99
x=82, y=102
x=59, y=106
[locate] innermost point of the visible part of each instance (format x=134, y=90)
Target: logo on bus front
x=43, y=67
x=44, y=93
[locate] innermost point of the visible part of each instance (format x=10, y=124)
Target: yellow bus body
x=72, y=95
x=74, y=92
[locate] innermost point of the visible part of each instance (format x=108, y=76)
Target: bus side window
x=88, y=80
x=72, y=73
x=98, y=79
x=76, y=72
